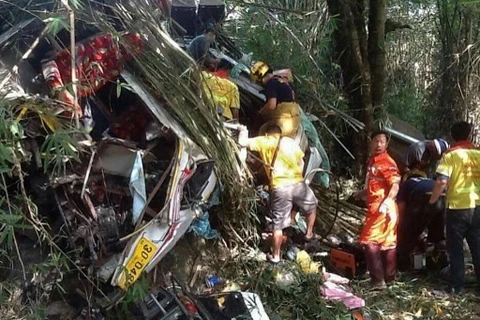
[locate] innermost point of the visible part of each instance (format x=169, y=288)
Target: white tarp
x=137, y=187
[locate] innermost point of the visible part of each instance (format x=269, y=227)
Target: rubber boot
x=389, y=261
x=373, y=258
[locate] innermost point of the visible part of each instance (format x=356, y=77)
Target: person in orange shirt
x=283, y=160
x=379, y=234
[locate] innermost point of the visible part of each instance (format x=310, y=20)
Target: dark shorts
x=283, y=199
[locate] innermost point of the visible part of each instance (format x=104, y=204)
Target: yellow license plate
x=141, y=257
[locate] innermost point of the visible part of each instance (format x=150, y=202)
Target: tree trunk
x=362, y=61
x=448, y=89
x=457, y=33
x=376, y=52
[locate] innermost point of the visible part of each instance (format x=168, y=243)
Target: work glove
x=383, y=209
x=243, y=136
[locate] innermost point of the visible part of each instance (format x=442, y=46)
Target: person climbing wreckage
x=224, y=95
x=198, y=49
x=254, y=99
x=281, y=108
x=283, y=161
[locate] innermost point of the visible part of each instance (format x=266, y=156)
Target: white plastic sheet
x=137, y=187
x=255, y=306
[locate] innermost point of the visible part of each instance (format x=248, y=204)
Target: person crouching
x=416, y=215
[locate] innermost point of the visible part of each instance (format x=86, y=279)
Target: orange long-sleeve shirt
x=380, y=228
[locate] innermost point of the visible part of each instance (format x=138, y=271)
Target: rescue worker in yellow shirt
x=224, y=94
x=459, y=168
x=283, y=161
x=280, y=108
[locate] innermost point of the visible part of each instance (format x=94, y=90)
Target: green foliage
x=122, y=85
x=38, y=314
x=59, y=146
x=56, y=24
x=407, y=103
x=300, y=39
x=59, y=149
x=135, y=293
x=412, y=297
x=9, y=223
x=291, y=40
x=5, y=158
x=299, y=300
x=76, y=4
x=56, y=261
x=11, y=133
x=4, y=292
x=19, y=121
x=410, y=55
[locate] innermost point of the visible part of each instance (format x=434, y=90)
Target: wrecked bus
x=140, y=182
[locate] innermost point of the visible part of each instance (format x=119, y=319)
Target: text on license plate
x=142, y=255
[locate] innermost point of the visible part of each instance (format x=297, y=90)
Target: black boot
x=373, y=258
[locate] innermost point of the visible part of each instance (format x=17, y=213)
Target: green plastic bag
x=321, y=177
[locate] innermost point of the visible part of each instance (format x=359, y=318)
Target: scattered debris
x=139, y=180
x=335, y=288
x=306, y=264
x=116, y=196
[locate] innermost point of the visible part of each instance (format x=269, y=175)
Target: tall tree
x=458, y=33
x=361, y=56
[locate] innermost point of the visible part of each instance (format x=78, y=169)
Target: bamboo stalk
x=73, y=61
